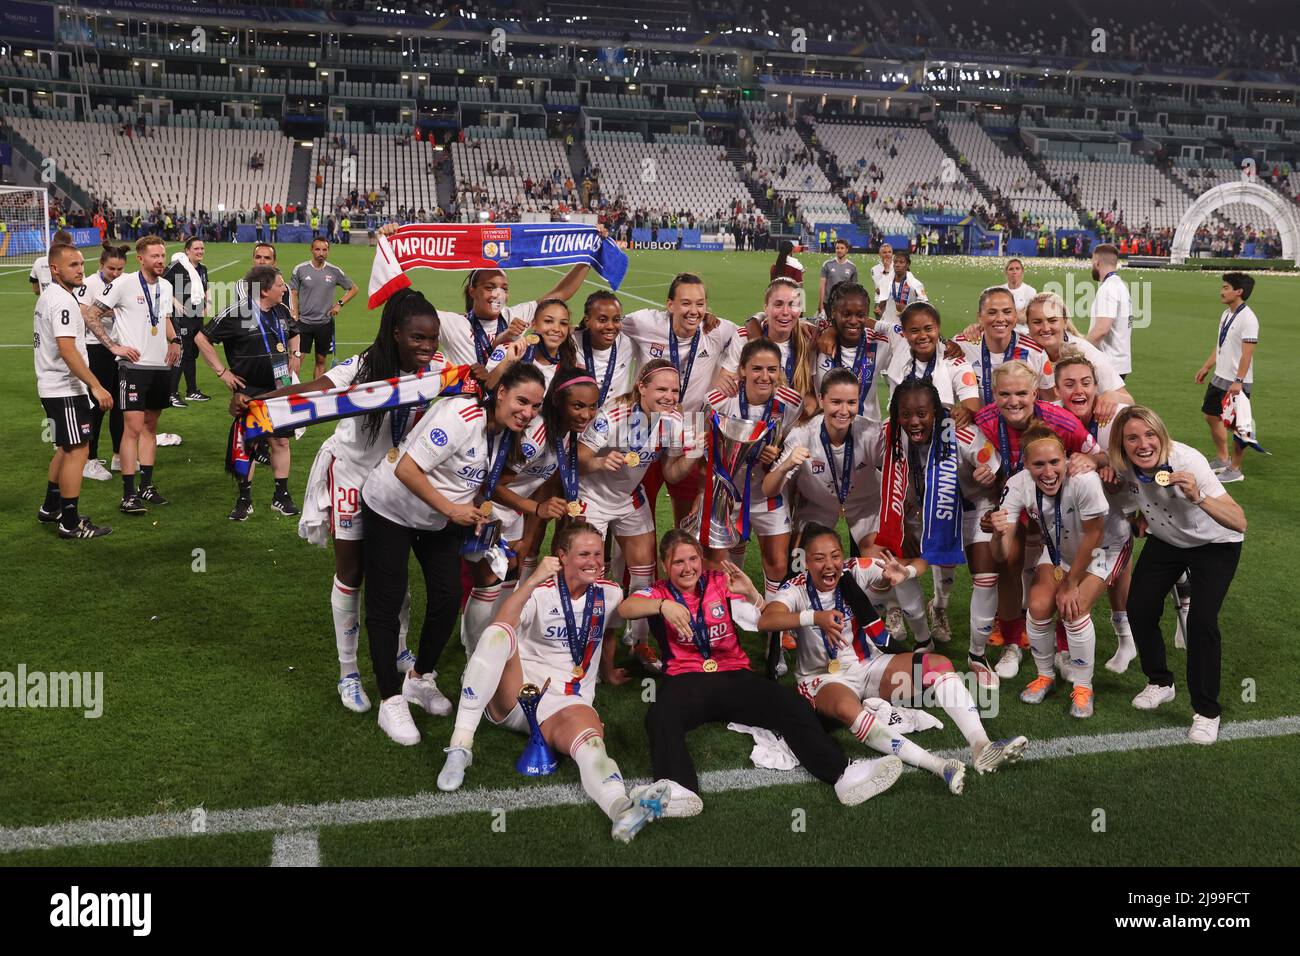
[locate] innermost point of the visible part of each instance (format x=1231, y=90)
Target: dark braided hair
x=383, y=359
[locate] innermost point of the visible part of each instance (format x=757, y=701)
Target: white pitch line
x=431, y=805
x=297, y=848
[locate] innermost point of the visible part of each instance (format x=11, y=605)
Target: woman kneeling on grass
x=841, y=661
x=707, y=680
x=550, y=633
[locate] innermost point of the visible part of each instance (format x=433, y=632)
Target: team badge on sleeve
x=438, y=437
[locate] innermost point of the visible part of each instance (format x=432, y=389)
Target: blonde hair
x=1044, y=300
x=799, y=340
x=1037, y=430
x=1118, y=458
x=1072, y=356
x=1013, y=367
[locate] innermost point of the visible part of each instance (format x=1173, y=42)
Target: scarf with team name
x=515, y=245
x=267, y=416
x=941, y=540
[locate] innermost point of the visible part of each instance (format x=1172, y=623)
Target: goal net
x=24, y=224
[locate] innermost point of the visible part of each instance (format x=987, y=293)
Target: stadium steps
x=981, y=185
x=1216, y=219
x=577, y=159
x=738, y=159
x=1013, y=146
x=444, y=178
x=299, y=175
x=149, y=188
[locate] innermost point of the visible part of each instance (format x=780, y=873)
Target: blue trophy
x=537, y=759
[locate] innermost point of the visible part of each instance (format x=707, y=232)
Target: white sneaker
x=954, y=775
x=405, y=661
x=781, y=667
x=1229, y=475
x=680, y=802
x=354, y=698
x=895, y=624
x=1008, y=665
x=115, y=464
x=1205, y=730
x=96, y=470
x=937, y=617
x=1064, y=667
x=452, y=774
x=168, y=438
x=395, y=720
x=1218, y=464
x=423, y=691
x=1123, y=656
x=863, y=779
x=999, y=752
x=1152, y=696
x=647, y=807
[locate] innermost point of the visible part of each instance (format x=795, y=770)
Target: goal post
x=24, y=224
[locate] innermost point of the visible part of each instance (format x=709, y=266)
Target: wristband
x=911, y=571
x=222, y=372
x=806, y=618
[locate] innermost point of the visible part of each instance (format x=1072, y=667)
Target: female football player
x=795, y=339
x=1050, y=326
x=547, y=344
x=852, y=343
x=602, y=349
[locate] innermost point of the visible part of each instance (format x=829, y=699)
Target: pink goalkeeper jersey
x=680, y=654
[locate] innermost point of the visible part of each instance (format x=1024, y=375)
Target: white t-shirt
x=1022, y=294
x=909, y=290
x=812, y=659
x=456, y=338
x=815, y=480
x=952, y=378
x=1081, y=498
x=57, y=316
x=40, y=273
x=451, y=447
x=649, y=330
x=1227, y=357
x=543, y=635
x=1021, y=347
x=134, y=327
x=868, y=406
x=620, y=382
x=880, y=277
x=1170, y=514
x=1112, y=299
x=92, y=290
x=351, y=436
x=1108, y=379
x=539, y=460
x=612, y=492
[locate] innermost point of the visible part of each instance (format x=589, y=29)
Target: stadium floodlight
x=25, y=212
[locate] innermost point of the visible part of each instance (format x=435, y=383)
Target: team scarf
x=941, y=540
x=266, y=416
x=1240, y=421
x=489, y=246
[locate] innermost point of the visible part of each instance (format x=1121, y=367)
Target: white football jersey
x=1081, y=498
x=816, y=482
x=57, y=316
x=1112, y=299
x=973, y=450
x=456, y=337
x=1020, y=347
x=787, y=406
x=93, y=290
x=133, y=301
x=811, y=658
x=352, y=435
x=952, y=378
x=650, y=438
x=649, y=330
x=451, y=447
x=543, y=636
x=624, y=354
x=1108, y=379
x=869, y=405
x=40, y=273
x=539, y=460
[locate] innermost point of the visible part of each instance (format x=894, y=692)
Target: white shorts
x=345, y=481
x=639, y=520
x=512, y=522
x=765, y=521
x=971, y=533
x=861, y=677
x=860, y=524
x=553, y=701
x=1107, y=563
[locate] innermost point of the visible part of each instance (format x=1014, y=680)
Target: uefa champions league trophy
x=537, y=759
x=725, y=497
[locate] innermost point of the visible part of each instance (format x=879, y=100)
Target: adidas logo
x=613, y=778
x=896, y=745
x=895, y=718
x=468, y=693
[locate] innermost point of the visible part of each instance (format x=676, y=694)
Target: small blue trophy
x=537, y=759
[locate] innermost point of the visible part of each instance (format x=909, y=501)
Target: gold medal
x=1058, y=573
x=279, y=346
x=632, y=459
x=532, y=338
x=1163, y=477
x=485, y=509
x=154, y=330
x=577, y=670
x=833, y=666
x=393, y=454
x=710, y=666
x=574, y=508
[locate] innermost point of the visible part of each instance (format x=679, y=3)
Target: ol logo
x=529, y=449
x=657, y=351
x=438, y=437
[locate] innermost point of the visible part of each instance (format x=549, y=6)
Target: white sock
x=601, y=778
x=951, y=694
x=1183, y=592
x=911, y=601
x=477, y=614
x=344, y=602
x=983, y=609
x=1119, y=623
x=944, y=576
x=527, y=566
x=879, y=737
x=403, y=622
x=1042, y=642
x=770, y=588
x=1033, y=549
x=1082, y=638
x=640, y=576
x=482, y=674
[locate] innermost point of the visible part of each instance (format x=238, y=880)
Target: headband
x=580, y=380
x=647, y=372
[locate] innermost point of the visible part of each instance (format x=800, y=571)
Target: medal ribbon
x=864, y=367
x=1223, y=331
x=684, y=371
x=502, y=451
x=929, y=369
x=482, y=344
x=699, y=627
x=151, y=302
x=1053, y=547
x=789, y=359
x=567, y=465
x=841, y=485
x=593, y=621
x=591, y=365
x=832, y=647
x=986, y=363
x=1148, y=479
x=1004, y=446
x=766, y=417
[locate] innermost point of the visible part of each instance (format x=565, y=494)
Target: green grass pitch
x=219, y=684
